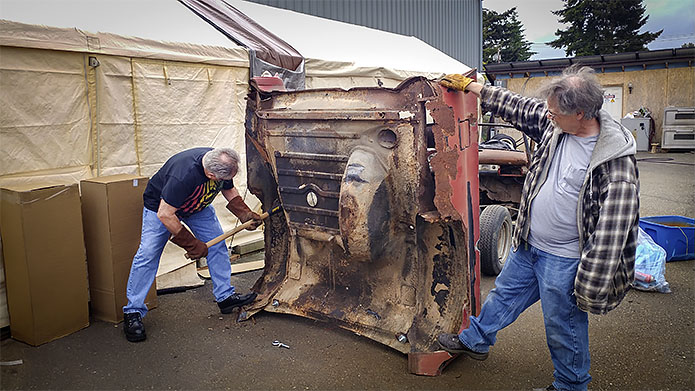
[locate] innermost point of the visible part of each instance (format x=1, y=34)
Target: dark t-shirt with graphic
x=182, y=183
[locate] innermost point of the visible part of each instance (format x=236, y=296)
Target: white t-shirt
x=553, y=215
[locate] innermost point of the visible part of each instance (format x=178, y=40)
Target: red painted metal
x=465, y=199
x=429, y=363
x=269, y=83
x=466, y=192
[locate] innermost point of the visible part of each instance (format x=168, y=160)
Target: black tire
x=505, y=139
x=495, y=239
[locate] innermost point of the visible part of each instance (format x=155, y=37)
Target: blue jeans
x=529, y=275
x=154, y=237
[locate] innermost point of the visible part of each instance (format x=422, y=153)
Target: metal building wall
x=452, y=26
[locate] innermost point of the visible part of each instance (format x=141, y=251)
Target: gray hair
x=577, y=90
x=222, y=162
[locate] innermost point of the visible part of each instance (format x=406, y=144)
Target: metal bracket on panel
x=93, y=62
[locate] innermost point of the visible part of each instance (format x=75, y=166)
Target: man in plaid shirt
x=576, y=231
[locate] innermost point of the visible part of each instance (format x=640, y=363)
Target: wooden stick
x=231, y=232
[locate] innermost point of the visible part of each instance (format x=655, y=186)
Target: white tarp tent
x=346, y=55
x=99, y=87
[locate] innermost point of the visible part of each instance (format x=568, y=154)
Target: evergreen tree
x=504, y=33
x=602, y=27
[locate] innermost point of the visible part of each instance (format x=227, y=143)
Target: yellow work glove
x=456, y=81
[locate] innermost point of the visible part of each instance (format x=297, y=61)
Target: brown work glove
x=194, y=248
x=456, y=81
x=239, y=208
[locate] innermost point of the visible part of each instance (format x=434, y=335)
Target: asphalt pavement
x=647, y=343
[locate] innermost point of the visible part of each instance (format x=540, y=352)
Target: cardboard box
x=45, y=269
x=112, y=215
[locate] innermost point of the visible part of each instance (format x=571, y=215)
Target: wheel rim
x=504, y=242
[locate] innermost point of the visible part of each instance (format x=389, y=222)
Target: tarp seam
x=136, y=130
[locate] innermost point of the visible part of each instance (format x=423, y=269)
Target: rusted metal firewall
x=375, y=236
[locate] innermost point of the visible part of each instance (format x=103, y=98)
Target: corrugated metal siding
x=452, y=26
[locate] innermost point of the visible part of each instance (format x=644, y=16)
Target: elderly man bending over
x=182, y=190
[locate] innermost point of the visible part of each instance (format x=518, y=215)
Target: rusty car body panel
x=501, y=176
x=379, y=191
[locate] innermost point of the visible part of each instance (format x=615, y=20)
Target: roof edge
x=618, y=60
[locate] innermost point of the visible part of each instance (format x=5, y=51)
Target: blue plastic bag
x=650, y=265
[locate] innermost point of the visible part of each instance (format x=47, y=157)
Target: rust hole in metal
x=387, y=138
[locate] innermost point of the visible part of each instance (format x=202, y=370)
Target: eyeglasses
x=551, y=116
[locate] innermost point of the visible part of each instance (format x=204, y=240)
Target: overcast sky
x=675, y=17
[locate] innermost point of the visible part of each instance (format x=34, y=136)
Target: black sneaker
x=236, y=300
x=133, y=327
x=452, y=344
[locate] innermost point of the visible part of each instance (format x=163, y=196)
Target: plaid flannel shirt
x=608, y=206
